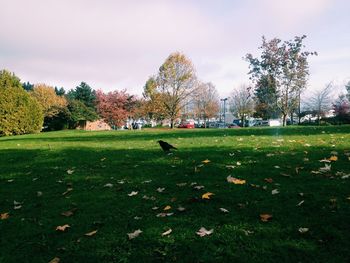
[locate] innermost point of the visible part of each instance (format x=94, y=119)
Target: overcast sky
x=114, y=44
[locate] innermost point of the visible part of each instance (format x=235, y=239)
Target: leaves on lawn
x=4, y=216
x=168, y=207
x=223, y=210
x=275, y=191
x=69, y=189
x=134, y=234
x=300, y=203
x=55, y=260
x=70, y=171
x=233, y=180
x=109, y=185
x=303, y=230
x=160, y=190
x=207, y=195
x=268, y=180
x=167, y=232
x=204, y=232
x=164, y=214
x=90, y=234
x=62, y=228
x=265, y=217
x=69, y=212
x=206, y=161
x=133, y=193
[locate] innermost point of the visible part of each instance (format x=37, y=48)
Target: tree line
x=278, y=78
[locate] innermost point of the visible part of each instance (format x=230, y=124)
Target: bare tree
x=242, y=103
x=321, y=101
x=206, y=101
x=176, y=81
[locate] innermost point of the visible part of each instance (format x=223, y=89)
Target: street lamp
x=224, y=112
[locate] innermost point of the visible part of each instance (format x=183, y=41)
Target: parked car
x=233, y=126
x=187, y=124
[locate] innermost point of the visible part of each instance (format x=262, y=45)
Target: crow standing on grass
x=166, y=146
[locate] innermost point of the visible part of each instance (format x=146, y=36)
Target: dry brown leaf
x=62, y=228
x=231, y=179
x=92, y=233
x=207, y=195
x=55, y=260
x=269, y=180
x=265, y=217
x=206, y=161
x=4, y=216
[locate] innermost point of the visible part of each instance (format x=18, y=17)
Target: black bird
x=166, y=146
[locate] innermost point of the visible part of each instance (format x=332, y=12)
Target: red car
x=187, y=124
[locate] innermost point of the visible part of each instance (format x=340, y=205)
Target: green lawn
x=34, y=174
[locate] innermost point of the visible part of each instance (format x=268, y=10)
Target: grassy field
x=90, y=177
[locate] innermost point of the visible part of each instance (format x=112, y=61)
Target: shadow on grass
x=113, y=212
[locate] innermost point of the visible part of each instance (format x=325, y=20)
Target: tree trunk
x=171, y=123
x=284, y=120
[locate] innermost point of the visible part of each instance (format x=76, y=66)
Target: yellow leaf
x=4, y=216
x=91, y=233
x=62, y=228
x=168, y=207
x=333, y=158
x=207, y=195
x=206, y=161
x=265, y=217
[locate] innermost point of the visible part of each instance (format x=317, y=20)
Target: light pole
x=224, y=112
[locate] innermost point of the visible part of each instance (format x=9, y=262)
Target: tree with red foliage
x=115, y=107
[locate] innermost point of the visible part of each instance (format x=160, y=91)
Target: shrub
x=19, y=113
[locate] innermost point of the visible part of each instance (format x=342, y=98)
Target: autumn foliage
x=114, y=107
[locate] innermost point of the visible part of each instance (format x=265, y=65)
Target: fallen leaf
x=198, y=187
x=160, y=190
x=168, y=207
x=265, y=217
x=324, y=161
x=207, y=195
x=231, y=179
x=55, y=260
x=4, y=216
x=164, y=214
x=155, y=208
x=204, y=232
x=70, y=171
x=333, y=158
x=90, y=234
x=230, y=166
x=275, y=191
x=167, y=232
x=39, y=193
x=62, y=228
x=223, y=210
x=67, y=191
x=303, y=230
x=181, y=209
x=16, y=207
x=239, y=163
x=206, y=161
x=108, y=185
x=326, y=168
x=134, y=234
x=181, y=184
x=277, y=167
x=300, y=203
x=133, y=193
x=269, y=180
